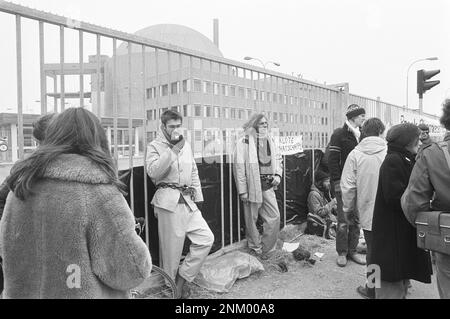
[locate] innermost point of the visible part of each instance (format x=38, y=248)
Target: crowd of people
x=65, y=214
x=381, y=182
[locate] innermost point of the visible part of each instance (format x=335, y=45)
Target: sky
x=367, y=43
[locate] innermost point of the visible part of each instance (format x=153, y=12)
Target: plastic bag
x=220, y=274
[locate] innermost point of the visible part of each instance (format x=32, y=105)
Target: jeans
x=348, y=231
x=443, y=275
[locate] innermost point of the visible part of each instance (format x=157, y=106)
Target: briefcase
x=433, y=231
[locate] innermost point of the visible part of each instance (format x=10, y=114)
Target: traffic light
x=422, y=84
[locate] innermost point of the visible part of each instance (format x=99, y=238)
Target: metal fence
x=132, y=84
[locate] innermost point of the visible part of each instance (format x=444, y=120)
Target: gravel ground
x=322, y=280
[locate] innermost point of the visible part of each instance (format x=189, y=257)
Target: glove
x=276, y=180
x=244, y=197
x=177, y=147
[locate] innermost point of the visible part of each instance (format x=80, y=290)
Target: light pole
x=262, y=63
x=407, y=74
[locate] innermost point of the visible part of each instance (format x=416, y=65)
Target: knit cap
x=354, y=110
x=403, y=134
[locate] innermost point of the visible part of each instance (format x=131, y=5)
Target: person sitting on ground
x=67, y=231
x=320, y=203
x=359, y=183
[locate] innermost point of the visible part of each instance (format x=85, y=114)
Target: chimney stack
x=216, y=32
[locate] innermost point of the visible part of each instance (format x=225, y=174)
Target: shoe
x=365, y=292
x=357, y=258
x=341, y=261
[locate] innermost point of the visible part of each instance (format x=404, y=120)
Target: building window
x=262, y=96
x=296, y=100
x=197, y=85
x=216, y=112
x=296, y=118
x=241, y=92
x=269, y=115
x=285, y=101
x=268, y=96
x=249, y=93
x=232, y=90
x=275, y=116
x=241, y=114
x=224, y=89
x=186, y=86
x=249, y=113
x=216, y=88
x=274, y=95
x=175, y=108
x=233, y=113
x=174, y=88
x=207, y=87
x=197, y=110
x=291, y=100
x=208, y=111
x=226, y=111
x=255, y=94
x=186, y=110
x=164, y=90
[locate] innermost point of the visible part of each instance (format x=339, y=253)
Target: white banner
x=289, y=145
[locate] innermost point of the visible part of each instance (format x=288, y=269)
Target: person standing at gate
x=172, y=168
x=359, y=183
x=67, y=231
x=424, y=137
x=429, y=189
x=394, y=242
x=342, y=142
x=38, y=133
x=257, y=171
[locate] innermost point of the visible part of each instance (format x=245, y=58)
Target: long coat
x=246, y=167
x=73, y=238
x=394, y=238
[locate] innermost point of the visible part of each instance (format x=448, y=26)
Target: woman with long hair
x=257, y=170
x=67, y=231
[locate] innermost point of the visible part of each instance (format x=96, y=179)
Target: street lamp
x=407, y=73
x=262, y=63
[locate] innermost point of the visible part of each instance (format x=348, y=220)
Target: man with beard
x=172, y=168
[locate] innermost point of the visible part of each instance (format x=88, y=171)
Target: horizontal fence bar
x=126, y=37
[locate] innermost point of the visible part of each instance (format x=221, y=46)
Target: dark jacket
x=394, y=238
x=342, y=142
x=430, y=176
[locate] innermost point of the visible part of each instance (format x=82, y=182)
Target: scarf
x=354, y=130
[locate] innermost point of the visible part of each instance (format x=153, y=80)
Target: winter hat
x=320, y=176
x=403, y=134
x=354, y=110
x=424, y=127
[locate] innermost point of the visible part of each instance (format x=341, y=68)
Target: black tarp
x=298, y=183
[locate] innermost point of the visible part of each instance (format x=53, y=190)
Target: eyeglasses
x=263, y=123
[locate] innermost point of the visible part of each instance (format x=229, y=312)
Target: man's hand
x=276, y=180
x=177, y=147
x=244, y=197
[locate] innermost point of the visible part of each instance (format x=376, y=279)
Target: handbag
x=433, y=228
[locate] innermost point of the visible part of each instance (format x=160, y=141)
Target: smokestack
x=216, y=32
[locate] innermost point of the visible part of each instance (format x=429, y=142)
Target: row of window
x=208, y=111
x=317, y=140
x=234, y=91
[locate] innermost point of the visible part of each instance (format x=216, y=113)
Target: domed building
x=177, y=35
